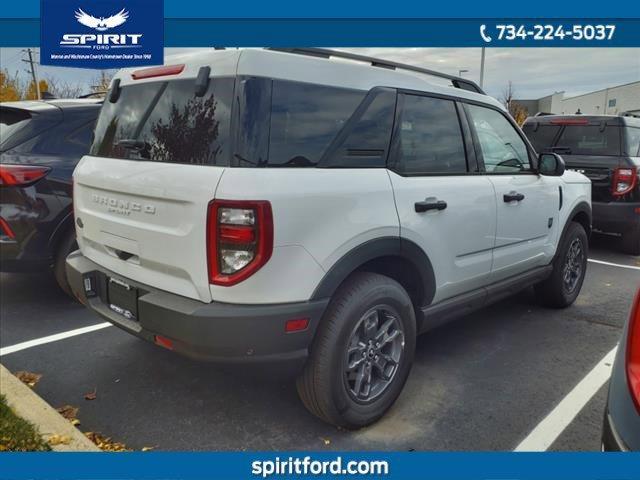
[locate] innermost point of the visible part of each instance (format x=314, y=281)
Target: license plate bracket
x=122, y=298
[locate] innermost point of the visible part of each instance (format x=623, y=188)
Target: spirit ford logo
x=101, y=24
x=122, y=207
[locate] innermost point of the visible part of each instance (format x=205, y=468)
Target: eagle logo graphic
x=101, y=24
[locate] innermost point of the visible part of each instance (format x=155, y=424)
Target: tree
x=60, y=89
x=31, y=92
x=9, y=87
x=517, y=111
x=101, y=82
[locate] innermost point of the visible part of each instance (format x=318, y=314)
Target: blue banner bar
x=408, y=465
x=207, y=32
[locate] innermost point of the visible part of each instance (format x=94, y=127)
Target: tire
x=561, y=289
x=324, y=387
x=67, y=245
x=631, y=242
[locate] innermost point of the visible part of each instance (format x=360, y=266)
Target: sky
x=534, y=72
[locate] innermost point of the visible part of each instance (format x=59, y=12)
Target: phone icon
x=484, y=35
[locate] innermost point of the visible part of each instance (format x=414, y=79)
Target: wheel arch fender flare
x=376, y=249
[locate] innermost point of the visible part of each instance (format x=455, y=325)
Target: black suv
x=607, y=150
x=40, y=144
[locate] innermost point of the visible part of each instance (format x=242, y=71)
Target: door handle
x=513, y=197
x=427, y=205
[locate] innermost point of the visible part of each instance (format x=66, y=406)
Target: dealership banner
x=289, y=465
x=107, y=33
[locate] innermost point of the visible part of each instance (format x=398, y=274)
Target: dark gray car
x=607, y=150
x=621, y=430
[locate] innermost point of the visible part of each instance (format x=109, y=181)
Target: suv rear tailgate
x=147, y=220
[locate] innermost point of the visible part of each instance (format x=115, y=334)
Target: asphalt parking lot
x=484, y=382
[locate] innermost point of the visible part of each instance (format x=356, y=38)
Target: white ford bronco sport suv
x=289, y=206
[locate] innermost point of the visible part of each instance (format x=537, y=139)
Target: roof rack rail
x=457, y=82
x=543, y=114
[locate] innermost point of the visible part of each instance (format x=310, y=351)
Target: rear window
x=18, y=125
x=590, y=140
x=542, y=137
x=167, y=122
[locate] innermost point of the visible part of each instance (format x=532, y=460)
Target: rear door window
x=167, y=122
x=541, y=137
x=590, y=140
x=429, y=137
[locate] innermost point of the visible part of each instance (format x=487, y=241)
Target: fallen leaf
x=59, y=440
x=146, y=449
x=105, y=443
x=68, y=411
x=28, y=377
x=326, y=441
x=91, y=395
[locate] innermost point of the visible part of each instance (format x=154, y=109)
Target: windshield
x=167, y=122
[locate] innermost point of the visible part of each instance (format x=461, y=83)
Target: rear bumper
x=218, y=332
x=616, y=217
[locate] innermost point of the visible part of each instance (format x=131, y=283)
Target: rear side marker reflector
x=5, y=230
x=163, y=342
x=296, y=325
x=157, y=71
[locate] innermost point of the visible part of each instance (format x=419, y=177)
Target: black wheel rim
x=573, y=266
x=374, y=352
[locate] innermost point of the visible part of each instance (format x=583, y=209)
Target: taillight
x=21, y=175
x=633, y=352
x=239, y=239
x=624, y=180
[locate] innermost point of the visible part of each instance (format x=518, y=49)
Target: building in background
x=609, y=101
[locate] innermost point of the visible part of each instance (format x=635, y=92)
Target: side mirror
x=551, y=165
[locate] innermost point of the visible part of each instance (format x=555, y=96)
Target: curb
x=28, y=405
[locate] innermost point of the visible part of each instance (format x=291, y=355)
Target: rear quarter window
x=632, y=141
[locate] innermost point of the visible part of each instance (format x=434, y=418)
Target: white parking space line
x=549, y=429
x=602, y=262
x=52, y=338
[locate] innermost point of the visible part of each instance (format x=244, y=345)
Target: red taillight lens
x=633, y=352
x=5, y=230
x=624, y=180
x=157, y=71
x=239, y=239
x=21, y=175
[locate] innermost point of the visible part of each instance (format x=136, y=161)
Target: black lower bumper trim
x=611, y=441
x=219, y=332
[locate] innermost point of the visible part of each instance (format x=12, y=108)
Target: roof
x=285, y=65
x=587, y=119
x=40, y=106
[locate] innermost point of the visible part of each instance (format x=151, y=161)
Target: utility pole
x=482, y=67
x=34, y=76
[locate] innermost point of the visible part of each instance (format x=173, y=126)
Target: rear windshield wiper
x=132, y=144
